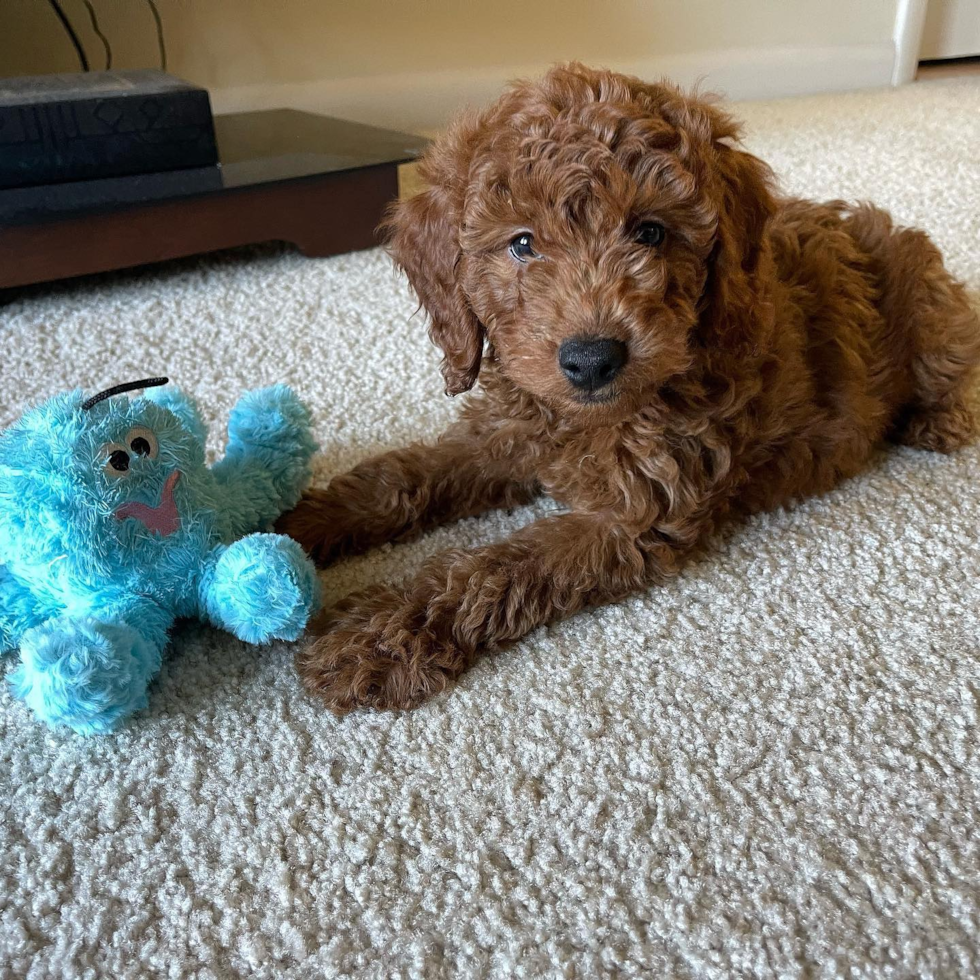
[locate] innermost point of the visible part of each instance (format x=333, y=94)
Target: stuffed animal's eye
x=142, y=442
x=117, y=460
x=651, y=233
x=522, y=247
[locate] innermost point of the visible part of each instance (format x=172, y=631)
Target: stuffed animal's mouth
x=163, y=519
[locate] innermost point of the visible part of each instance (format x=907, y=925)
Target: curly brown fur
x=771, y=344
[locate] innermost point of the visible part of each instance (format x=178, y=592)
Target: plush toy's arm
x=89, y=668
x=262, y=587
x=267, y=463
x=19, y=611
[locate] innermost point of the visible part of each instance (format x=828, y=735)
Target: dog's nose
x=591, y=364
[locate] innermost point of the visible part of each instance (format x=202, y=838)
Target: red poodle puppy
x=660, y=343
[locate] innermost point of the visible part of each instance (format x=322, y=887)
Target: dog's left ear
x=737, y=294
x=422, y=234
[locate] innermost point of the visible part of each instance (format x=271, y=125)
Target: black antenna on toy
x=120, y=389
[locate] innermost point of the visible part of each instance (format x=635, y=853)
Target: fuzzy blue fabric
x=112, y=526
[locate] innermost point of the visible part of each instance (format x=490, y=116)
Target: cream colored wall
x=411, y=62
x=952, y=29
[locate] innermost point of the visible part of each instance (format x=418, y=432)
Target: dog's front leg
x=398, y=495
x=393, y=647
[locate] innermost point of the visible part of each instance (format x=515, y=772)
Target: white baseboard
x=425, y=101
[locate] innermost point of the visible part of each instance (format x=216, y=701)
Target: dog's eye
x=651, y=233
x=522, y=247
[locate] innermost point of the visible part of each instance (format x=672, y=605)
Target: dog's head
x=595, y=232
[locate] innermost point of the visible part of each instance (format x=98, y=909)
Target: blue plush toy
x=111, y=526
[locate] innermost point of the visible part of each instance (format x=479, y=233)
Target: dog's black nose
x=591, y=364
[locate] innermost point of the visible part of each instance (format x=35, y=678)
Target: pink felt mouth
x=163, y=518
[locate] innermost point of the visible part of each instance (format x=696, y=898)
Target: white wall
x=952, y=29
x=411, y=63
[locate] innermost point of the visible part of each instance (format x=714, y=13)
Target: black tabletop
x=281, y=144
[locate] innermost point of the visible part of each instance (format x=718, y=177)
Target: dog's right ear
x=422, y=235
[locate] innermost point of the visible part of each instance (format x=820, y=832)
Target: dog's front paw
x=377, y=651
x=318, y=524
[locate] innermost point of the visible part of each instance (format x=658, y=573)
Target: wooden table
x=318, y=182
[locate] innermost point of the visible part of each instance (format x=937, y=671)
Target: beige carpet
x=768, y=768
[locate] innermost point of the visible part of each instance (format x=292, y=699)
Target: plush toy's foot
x=263, y=588
x=83, y=673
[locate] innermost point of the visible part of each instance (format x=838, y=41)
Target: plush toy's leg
x=267, y=463
x=89, y=671
x=261, y=587
x=19, y=611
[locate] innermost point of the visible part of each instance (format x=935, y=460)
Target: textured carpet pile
x=767, y=768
